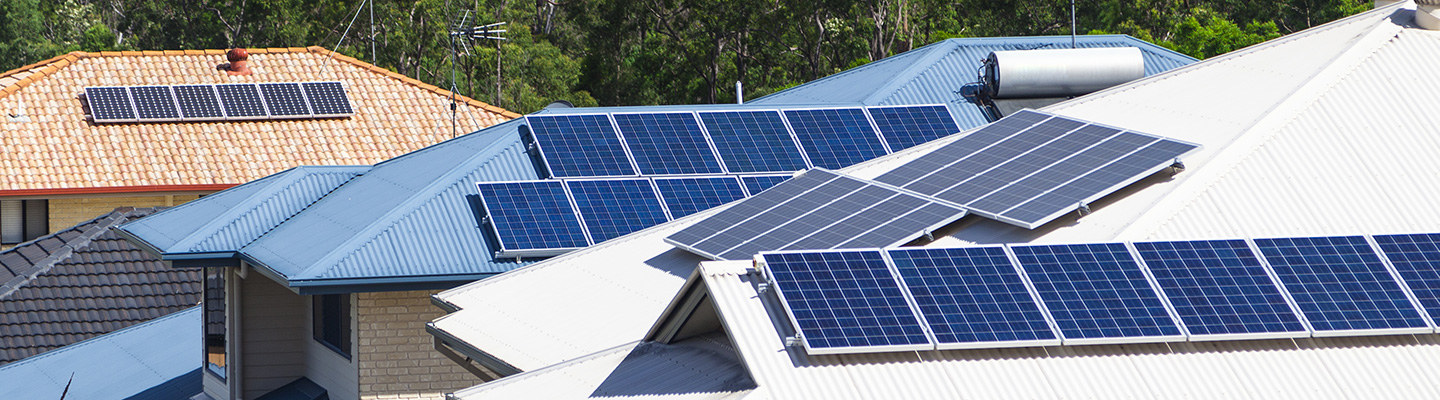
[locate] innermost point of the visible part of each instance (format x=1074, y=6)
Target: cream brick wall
x=397, y=357
x=67, y=212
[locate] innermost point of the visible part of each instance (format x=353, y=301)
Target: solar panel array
x=235, y=102
x=1030, y=167
x=729, y=142
x=1108, y=293
x=817, y=210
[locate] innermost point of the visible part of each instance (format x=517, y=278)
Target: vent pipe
x=1427, y=14
x=739, y=93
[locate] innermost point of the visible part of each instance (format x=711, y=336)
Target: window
x=215, y=321
x=22, y=220
x=332, y=322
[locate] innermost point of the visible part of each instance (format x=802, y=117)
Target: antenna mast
x=462, y=29
x=1072, y=24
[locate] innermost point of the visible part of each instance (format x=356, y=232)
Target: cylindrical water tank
x=1060, y=72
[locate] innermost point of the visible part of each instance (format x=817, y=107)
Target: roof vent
x=1427, y=14
x=239, y=62
x=1060, y=72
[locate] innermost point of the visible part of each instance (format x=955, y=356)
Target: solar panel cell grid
x=327, y=99
x=961, y=148
x=241, y=101
x=1033, y=161
x=1219, y=287
x=845, y=302
x=753, y=141
x=758, y=183
x=1062, y=172
x=835, y=138
x=972, y=295
x=198, y=102
x=1417, y=259
x=1097, y=292
x=977, y=163
x=685, y=196
x=155, y=103
x=906, y=127
x=532, y=215
x=614, y=208
x=580, y=145
x=667, y=144
x=110, y=104
x=285, y=100
x=1341, y=284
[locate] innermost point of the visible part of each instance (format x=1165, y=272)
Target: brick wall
x=397, y=357
x=67, y=212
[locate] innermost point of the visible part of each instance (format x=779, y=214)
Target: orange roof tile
x=50, y=146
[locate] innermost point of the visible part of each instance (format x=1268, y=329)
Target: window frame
x=331, y=322
x=213, y=295
x=34, y=220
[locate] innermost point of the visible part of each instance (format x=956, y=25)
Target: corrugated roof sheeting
x=113, y=366
x=309, y=184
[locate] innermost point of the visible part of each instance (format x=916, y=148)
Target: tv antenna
x=464, y=33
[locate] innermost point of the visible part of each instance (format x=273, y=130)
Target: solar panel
x=1221, y=290
x=155, y=103
x=1097, y=293
x=1417, y=259
x=1030, y=168
x=973, y=298
x=845, y=302
x=531, y=218
x=667, y=144
x=241, y=101
x=754, y=184
x=753, y=141
x=1342, y=286
x=285, y=100
x=198, y=103
x=906, y=126
x=580, y=145
x=835, y=138
x=110, y=104
x=685, y=196
x=830, y=210
x=328, y=99
x=614, y=208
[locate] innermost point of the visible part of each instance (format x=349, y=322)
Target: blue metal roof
x=935, y=74
x=412, y=222
x=118, y=365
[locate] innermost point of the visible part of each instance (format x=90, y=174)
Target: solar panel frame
x=761, y=182
x=198, y=103
x=561, y=165
x=328, y=99
x=604, y=219
x=1181, y=286
x=991, y=286
x=1307, y=295
x=242, y=102
x=510, y=249
x=110, y=104
x=908, y=343
x=1010, y=216
x=824, y=147
x=285, y=100
x=894, y=142
x=155, y=103
x=650, y=150
x=682, y=206
x=1415, y=258
x=737, y=149
x=1043, y=290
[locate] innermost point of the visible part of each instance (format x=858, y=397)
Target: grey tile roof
x=82, y=282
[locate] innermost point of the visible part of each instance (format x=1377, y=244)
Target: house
x=64, y=165
x=82, y=282
x=1317, y=133
x=329, y=271
x=148, y=360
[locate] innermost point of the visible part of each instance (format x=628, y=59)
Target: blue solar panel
x=198, y=102
x=529, y=216
x=835, y=138
x=1221, y=290
x=1417, y=259
x=328, y=99
x=110, y=104
x=753, y=141
x=1097, y=293
x=580, y=145
x=667, y=144
x=1341, y=285
x=241, y=101
x=614, y=208
x=155, y=103
x=905, y=127
x=758, y=183
x=973, y=297
x=685, y=196
x=845, y=302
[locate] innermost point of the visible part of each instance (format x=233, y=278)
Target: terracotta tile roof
x=51, y=147
x=82, y=282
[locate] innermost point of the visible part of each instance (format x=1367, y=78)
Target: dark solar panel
x=743, y=211
x=1341, y=285
x=1417, y=258
x=614, y=208
x=835, y=138
x=1221, y=290
x=532, y=217
x=580, y=145
x=198, y=102
x=685, y=196
x=241, y=101
x=962, y=148
x=328, y=99
x=667, y=144
x=1097, y=293
x=753, y=141
x=973, y=297
x=285, y=100
x=845, y=302
x=110, y=104
x=155, y=103
x=1099, y=182
x=907, y=126
x=758, y=183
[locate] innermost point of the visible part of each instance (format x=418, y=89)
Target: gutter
x=471, y=353
x=117, y=190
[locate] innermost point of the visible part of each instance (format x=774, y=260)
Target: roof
x=82, y=282
x=1323, y=133
x=54, y=149
x=945, y=72
x=160, y=354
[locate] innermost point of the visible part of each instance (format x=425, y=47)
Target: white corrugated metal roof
x=1321, y=132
